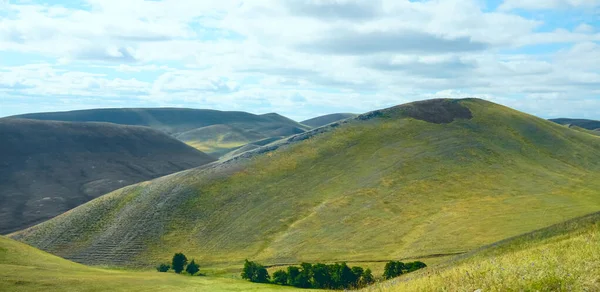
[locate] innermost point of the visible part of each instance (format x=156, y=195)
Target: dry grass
x=568, y=261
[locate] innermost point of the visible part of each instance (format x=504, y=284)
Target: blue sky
x=300, y=58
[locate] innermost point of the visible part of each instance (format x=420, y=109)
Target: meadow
x=565, y=257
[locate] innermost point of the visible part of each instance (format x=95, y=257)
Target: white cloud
x=287, y=55
x=547, y=4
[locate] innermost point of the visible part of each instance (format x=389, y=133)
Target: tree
x=321, y=276
x=393, y=269
x=262, y=275
x=248, y=271
x=192, y=268
x=255, y=272
x=411, y=267
x=280, y=277
x=367, y=278
x=293, y=274
x=358, y=272
x=163, y=268
x=179, y=262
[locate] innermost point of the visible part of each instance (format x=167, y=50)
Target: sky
x=299, y=58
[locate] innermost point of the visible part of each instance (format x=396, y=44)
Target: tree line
x=323, y=276
x=178, y=264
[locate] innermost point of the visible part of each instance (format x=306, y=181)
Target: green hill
x=24, y=268
x=427, y=178
x=582, y=123
x=563, y=257
x=326, y=119
x=211, y=131
x=49, y=167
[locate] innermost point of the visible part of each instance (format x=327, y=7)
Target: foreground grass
x=561, y=258
x=24, y=268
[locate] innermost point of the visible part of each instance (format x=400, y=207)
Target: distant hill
x=417, y=180
x=49, y=167
x=326, y=119
x=211, y=131
x=582, y=123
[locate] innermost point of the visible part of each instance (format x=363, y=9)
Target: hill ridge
x=411, y=186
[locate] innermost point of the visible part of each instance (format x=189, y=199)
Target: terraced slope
x=582, y=123
x=211, y=131
x=564, y=257
x=432, y=177
x=24, y=268
x=48, y=167
x=326, y=119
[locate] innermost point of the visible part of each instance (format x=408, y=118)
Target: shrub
x=163, y=268
x=192, y=268
x=179, y=262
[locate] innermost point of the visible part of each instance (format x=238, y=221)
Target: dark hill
x=211, y=131
x=49, y=167
x=326, y=119
x=582, y=123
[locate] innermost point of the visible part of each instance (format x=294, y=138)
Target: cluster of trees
x=178, y=264
x=394, y=269
x=322, y=276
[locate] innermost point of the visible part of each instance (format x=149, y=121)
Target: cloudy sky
x=300, y=58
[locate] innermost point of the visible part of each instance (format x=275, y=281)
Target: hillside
x=582, y=123
x=326, y=119
x=563, y=257
x=427, y=178
x=211, y=131
x=47, y=167
x=24, y=268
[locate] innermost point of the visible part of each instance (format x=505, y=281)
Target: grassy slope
x=565, y=257
x=24, y=268
x=411, y=187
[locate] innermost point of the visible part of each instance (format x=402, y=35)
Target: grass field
x=565, y=257
x=382, y=187
x=24, y=268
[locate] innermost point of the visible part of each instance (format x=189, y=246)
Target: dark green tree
x=255, y=272
x=280, y=277
x=366, y=279
x=304, y=279
x=321, y=276
x=163, y=268
x=411, y=267
x=179, y=262
x=262, y=275
x=293, y=274
x=192, y=268
x=358, y=272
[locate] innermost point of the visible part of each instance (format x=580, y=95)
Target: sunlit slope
x=565, y=257
x=24, y=268
x=382, y=186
